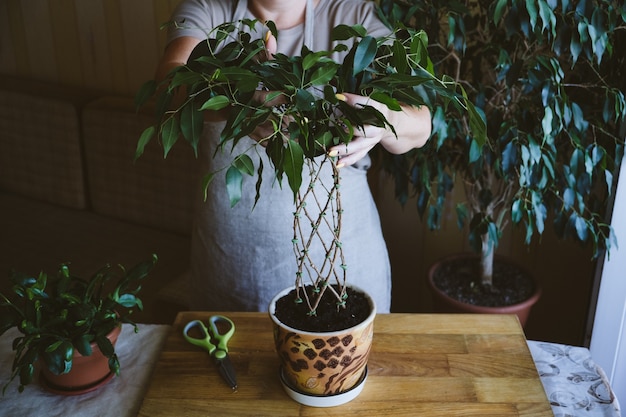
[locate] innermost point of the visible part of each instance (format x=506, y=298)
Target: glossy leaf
x=294, y=161
x=144, y=139
x=83, y=344
x=234, y=184
x=169, y=134
x=323, y=75
x=364, y=54
x=191, y=124
x=244, y=164
x=215, y=103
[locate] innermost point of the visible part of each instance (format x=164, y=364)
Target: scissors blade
x=227, y=371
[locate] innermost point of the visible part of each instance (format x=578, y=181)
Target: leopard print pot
x=323, y=363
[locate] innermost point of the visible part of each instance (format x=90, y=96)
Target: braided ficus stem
x=319, y=206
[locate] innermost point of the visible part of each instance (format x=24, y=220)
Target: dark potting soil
x=328, y=317
x=460, y=279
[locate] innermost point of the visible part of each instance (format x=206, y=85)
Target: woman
x=241, y=257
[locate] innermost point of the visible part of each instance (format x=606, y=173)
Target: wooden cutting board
x=420, y=365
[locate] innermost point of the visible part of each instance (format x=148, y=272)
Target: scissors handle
x=204, y=341
x=222, y=328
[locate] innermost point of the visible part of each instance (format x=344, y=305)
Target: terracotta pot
x=87, y=374
x=323, y=369
x=443, y=303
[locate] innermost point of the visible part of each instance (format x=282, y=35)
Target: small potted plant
x=69, y=325
x=549, y=79
x=309, y=119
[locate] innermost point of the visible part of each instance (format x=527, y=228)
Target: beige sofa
x=70, y=191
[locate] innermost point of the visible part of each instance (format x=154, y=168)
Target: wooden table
x=420, y=365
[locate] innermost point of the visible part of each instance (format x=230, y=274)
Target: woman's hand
x=412, y=126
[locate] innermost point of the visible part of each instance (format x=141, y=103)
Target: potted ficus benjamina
x=322, y=355
x=548, y=76
x=69, y=325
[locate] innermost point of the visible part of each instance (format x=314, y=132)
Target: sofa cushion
x=152, y=191
x=40, y=147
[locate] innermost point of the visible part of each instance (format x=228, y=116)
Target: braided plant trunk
x=319, y=207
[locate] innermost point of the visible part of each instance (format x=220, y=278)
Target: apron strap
x=309, y=17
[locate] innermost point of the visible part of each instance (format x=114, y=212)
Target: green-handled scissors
x=215, y=341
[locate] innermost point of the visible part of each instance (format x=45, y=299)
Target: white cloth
x=120, y=397
x=575, y=385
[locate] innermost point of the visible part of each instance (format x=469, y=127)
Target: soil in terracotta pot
x=460, y=279
x=328, y=318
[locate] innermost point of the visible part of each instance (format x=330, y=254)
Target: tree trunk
x=486, y=260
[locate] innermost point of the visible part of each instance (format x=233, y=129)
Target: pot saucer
x=55, y=389
x=323, y=400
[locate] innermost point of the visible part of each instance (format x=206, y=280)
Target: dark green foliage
x=549, y=80
x=61, y=313
x=225, y=70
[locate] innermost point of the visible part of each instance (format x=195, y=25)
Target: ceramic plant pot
x=87, y=374
x=323, y=369
x=444, y=303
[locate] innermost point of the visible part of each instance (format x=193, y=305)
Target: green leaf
x=144, y=139
x=105, y=346
x=569, y=197
x=535, y=150
x=191, y=124
x=516, y=211
x=540, y=212
x=499, y=10
x=244, y=164
x=215, y=103
x=475, y=151
x=399, y=57
x=127, y=300
x=294, y=161
x=387, y=100
x=546, y=122
x=83, y=344
x=478, y=126
x=323, y=75
x=547, y=17
x=169, y=134
x=230, y=74
x=311, y=59
x=581, y=227
x=185, y=78
x=304, y=100
x=206, y=182
x=59, y=357
x=234, y=184
x=343, y=32
x=531, y=7
x=114, y=364
x=364, y=54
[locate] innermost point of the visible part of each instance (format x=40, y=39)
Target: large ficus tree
x=549, y=80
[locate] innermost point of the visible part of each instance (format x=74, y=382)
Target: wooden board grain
x=420, y=365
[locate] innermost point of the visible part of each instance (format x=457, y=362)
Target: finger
x=353, y=151
x=271, y=45
x=358, y=101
